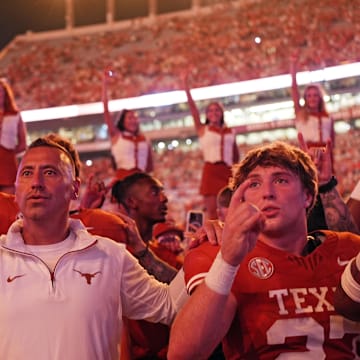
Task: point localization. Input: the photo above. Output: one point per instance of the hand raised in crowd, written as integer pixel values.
(321, 157)
(109, 73)
(186, 74)
(294, 59)
(94, 195)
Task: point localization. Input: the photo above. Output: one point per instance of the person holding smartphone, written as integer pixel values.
(194, 220)
(267, 291)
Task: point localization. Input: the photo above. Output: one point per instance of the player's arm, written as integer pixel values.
(347, 295)
(205, 318)
(201, 324)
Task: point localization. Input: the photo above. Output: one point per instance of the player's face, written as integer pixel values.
(280, 196)
(45, 184)
(151, 201)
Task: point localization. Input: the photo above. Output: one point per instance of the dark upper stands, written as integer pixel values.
(218, 40)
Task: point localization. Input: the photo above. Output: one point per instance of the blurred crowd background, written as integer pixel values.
(225, 42)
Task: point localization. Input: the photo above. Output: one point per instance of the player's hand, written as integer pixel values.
(244, 222)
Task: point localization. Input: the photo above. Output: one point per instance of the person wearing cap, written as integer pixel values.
(167, 243)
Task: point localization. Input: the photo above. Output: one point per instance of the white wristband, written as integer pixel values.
(349, 285)
(221, 275)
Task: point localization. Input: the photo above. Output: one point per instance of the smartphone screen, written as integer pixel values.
(194, 221)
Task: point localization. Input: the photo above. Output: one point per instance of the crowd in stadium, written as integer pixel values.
(149, 55)
(267, 285)
(180, 171)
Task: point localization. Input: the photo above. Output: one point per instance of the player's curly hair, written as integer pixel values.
(282, 155)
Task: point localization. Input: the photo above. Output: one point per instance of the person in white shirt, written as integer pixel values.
(66, 290)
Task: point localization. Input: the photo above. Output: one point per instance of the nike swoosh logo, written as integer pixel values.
(342, 262)
(12, 278)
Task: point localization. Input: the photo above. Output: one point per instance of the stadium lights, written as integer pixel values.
(209, 92)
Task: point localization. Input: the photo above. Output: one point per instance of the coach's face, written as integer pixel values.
(45, 184)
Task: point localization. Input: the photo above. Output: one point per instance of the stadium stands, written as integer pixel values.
(147, 55)
(227, 42)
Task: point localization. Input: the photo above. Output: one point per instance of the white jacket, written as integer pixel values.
(74, 312)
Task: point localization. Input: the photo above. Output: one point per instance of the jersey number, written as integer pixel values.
(339, 326)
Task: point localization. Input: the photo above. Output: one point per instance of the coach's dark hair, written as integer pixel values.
(55, 141)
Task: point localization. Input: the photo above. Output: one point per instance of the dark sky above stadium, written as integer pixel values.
(19, 16)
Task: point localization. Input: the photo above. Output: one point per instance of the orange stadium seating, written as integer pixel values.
(147, 55)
